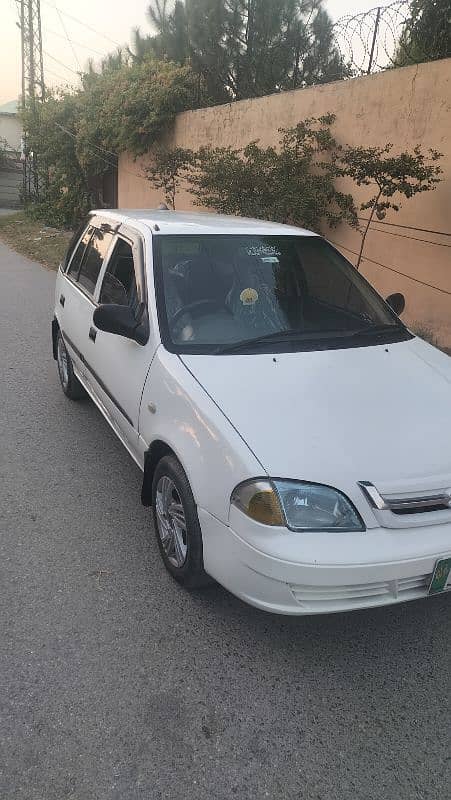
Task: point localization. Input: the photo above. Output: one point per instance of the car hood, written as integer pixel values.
(378, 413)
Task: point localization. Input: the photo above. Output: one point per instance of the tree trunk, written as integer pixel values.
(367, 229)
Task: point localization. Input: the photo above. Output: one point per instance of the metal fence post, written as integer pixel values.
(373, 43)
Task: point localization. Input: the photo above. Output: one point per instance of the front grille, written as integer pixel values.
(328, 598)
(408, 504)
(409, 510)
(414, 508)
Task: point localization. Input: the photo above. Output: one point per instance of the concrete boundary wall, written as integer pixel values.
(407, 106)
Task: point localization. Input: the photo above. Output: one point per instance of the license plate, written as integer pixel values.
(441, 577)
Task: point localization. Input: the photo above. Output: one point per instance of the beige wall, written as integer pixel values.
(405, 106)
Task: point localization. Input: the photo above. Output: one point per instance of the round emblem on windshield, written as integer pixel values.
(248, 297)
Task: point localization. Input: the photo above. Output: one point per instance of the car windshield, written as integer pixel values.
(245, 293)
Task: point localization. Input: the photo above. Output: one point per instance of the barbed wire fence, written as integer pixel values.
(383, 37)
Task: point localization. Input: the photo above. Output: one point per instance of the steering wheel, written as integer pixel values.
(196, 305)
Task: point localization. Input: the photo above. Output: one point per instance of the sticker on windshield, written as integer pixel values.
(249, 296)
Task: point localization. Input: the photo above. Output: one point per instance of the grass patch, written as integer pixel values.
(34, 239)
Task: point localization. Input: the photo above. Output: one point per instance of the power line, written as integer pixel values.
(61, 63)
(408, 227)
(80, 22)
(55, 74)
(74, 136)
(68, 39)
(105, 160)
(392, 269)
(16, 5)
(79, 44)
(406, 236)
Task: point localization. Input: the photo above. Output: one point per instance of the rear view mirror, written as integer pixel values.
(397, 302)
(117, 319)
(122, 321)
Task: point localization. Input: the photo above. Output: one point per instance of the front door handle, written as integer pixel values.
(62, 300)
(92, 333)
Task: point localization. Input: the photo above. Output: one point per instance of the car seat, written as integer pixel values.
(253, 298)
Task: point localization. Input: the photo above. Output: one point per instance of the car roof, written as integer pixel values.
(182, 222)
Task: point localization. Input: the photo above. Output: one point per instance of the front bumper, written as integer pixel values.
(289, 573)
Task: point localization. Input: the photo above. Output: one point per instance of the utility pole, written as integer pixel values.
(33, 86)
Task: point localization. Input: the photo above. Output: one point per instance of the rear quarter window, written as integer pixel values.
(74, 262)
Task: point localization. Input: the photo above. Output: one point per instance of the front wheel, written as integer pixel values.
(177, 525)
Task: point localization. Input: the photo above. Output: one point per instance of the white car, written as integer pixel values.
(294, 436)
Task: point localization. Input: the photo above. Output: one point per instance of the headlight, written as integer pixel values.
(297, 505)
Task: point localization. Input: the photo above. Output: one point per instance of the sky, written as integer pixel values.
(62, 59)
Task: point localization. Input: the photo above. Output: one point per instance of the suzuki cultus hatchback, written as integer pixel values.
(294, 436)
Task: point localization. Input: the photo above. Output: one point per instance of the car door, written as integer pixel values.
(77, 290)
(118, 365)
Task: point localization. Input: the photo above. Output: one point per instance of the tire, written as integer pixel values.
(176, 524)
(70, 384)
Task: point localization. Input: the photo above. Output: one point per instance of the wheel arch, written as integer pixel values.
(157, 450)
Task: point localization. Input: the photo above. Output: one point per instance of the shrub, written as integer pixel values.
(294, 183)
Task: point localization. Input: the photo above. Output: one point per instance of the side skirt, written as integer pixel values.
(106, 414)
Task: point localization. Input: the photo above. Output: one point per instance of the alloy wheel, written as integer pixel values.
(171, 521)
(63, 365)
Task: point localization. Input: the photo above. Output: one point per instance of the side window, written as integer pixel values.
(72, 244)
(119, 282)
(93, 259)
(74, 266)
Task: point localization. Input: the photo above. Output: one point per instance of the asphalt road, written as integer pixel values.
(116, 684)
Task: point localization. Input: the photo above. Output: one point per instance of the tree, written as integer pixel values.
(169, 170)
(129, 105)
(115, 60)
(427, 33)
(64, 188)
(246, 48)
(77, 134)
(390, 176)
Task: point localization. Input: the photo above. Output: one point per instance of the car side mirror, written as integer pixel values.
(397, 302)
(116, 319)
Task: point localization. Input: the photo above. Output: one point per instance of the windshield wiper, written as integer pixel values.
(276, 336)
(377, 330)
(295, 334)
(267, 337)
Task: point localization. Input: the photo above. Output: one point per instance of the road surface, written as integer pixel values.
(116, 684)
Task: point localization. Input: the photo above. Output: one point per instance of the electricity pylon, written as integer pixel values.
(33, 86)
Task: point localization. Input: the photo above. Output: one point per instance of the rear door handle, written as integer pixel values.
(92, 333)
(62, 300)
